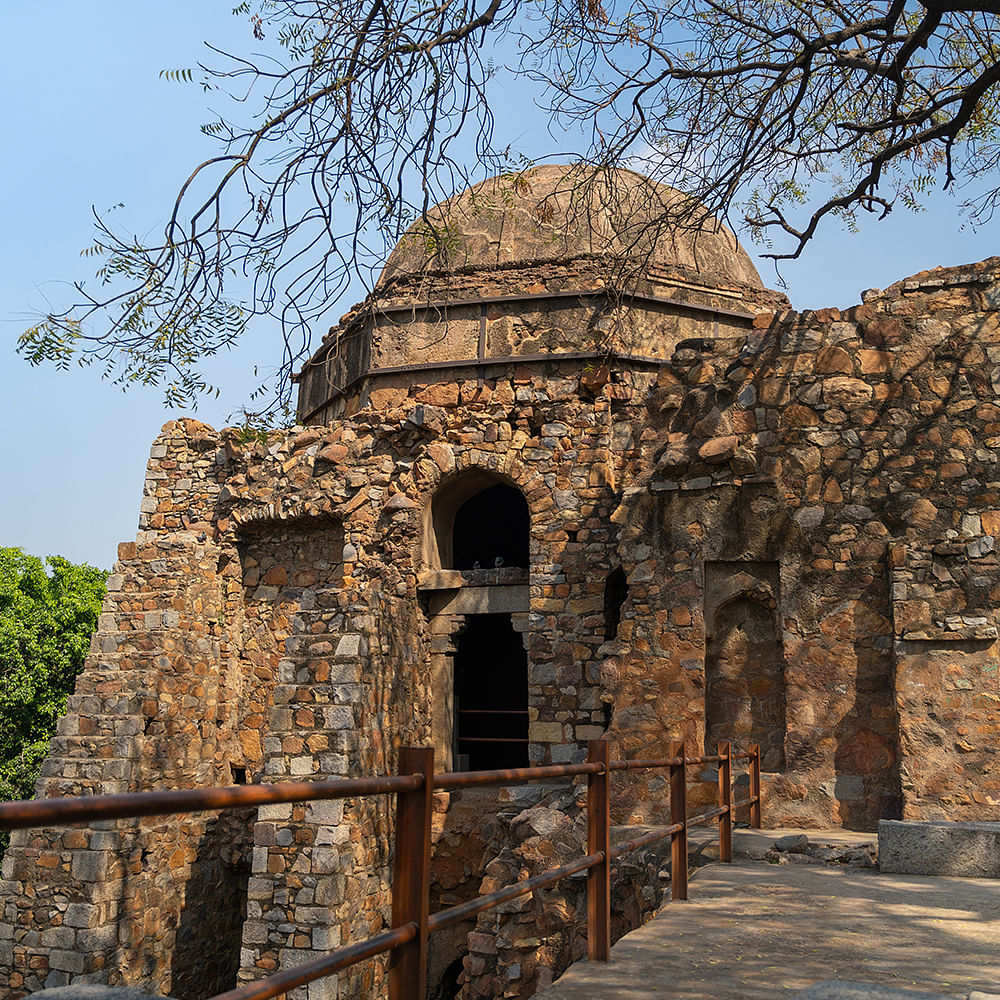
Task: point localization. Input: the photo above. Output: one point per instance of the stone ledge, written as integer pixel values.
(968, 850)
(95, 992)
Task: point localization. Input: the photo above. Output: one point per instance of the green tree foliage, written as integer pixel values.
(46, 621)
(352, 117)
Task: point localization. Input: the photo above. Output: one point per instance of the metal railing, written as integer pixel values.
(414, 786)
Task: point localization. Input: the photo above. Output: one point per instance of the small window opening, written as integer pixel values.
(239, 775)
(491, 530)
(571, 534)
(491, 695)
(615, 595)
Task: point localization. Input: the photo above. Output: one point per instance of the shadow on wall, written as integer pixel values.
(206, 955)
(867, 787)
(745, 680)
(745, 685)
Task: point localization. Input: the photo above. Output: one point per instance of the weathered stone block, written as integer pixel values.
(66, 961)
(971, 850)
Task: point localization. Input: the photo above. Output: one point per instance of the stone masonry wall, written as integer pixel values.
(855, 453)
(804, 515)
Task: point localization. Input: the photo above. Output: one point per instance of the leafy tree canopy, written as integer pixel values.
(46, 621)
(359, 114)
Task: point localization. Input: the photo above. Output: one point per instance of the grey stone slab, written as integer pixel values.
(796, 843)
(839, 990)
(92, 992)
(965, 850)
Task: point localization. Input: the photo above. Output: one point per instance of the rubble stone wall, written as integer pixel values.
(856, 451)
(804, 513)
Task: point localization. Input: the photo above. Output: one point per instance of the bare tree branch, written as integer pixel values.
(365, 113)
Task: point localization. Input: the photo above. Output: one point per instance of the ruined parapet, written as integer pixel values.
(775, 527)
(834, 475)
(145, 714)
(521, 946)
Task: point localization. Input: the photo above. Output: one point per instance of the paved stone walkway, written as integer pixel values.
(753, 930)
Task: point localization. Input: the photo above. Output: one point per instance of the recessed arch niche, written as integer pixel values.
(479, 520)
(745, 680)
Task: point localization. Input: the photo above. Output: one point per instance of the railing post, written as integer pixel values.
(599, 840)
(411, 868)
(726, 802)
(755, 786)
(678, 814)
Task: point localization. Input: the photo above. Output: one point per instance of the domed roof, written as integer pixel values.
(558, 212)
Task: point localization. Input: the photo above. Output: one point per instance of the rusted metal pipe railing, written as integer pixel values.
(414, 786)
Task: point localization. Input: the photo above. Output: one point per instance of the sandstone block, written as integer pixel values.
(545, 732)
(833, 360)
(847, 393)
(875, 362)
(718, 449)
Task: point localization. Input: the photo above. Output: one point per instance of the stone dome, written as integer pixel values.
(559, 212)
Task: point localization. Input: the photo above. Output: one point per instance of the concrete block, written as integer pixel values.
(969, 850)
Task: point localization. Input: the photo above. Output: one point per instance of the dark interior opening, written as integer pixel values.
(491, 694)
(491, 529)
(615, 594)
(450, 986)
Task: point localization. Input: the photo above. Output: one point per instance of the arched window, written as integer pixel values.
(478, 521)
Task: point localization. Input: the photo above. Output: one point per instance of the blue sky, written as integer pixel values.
(91, 124)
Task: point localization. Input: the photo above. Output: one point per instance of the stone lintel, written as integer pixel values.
(489, 600)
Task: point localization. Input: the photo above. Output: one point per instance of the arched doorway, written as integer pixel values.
(479, 525)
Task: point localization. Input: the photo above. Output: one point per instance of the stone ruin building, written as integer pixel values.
(566, 474)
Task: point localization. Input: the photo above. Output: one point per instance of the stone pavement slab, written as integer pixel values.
(754, 931)
(843, 990)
